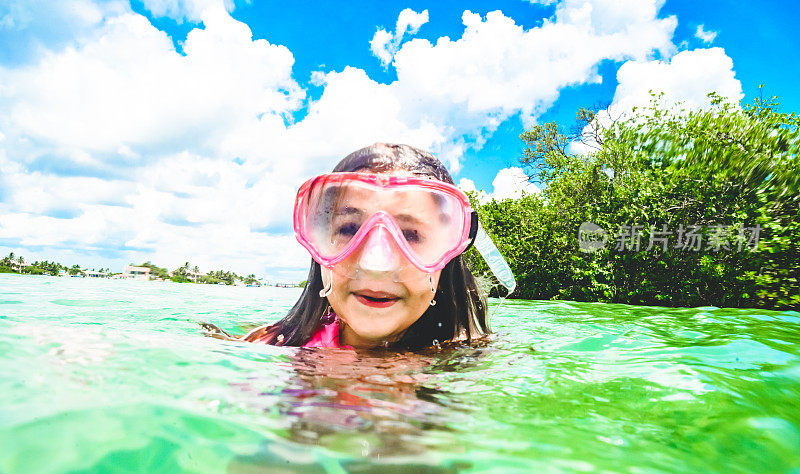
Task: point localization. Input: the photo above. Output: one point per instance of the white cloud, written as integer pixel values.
(153, 126)
(512, 183)
(498, 69)
(706, 37)
(381, 46)
(171, 156)
(410, 22)
(181, 10)
(687, 77)
(384, 44)
(30, 27)
(468, 186)
(127, 86)
(509, 183)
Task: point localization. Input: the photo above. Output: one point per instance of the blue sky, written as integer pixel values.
(177, 130)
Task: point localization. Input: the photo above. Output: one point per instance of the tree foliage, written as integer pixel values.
(664, 168)
(156, 271)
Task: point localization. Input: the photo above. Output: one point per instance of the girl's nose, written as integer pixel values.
(377, 252)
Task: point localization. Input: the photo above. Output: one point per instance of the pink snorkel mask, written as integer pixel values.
(360, 224)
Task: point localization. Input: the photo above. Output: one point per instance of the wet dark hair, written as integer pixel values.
(460, 306)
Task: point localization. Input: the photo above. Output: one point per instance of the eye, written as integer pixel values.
(348, 229)
(412, 236)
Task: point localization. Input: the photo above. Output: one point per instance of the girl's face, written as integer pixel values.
(377, 306)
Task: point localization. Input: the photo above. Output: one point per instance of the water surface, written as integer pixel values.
(106, 376)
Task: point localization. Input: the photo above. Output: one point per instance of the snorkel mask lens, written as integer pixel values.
(428, 220)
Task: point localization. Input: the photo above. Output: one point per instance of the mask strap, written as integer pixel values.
(328, 289)
(473, 229)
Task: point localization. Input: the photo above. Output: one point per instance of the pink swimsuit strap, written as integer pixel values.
(327, 335)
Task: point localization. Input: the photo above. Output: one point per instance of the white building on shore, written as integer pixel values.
(137, 273)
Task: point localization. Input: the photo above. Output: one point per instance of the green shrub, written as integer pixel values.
(726, 165)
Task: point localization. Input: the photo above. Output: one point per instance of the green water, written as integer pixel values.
(105, 376)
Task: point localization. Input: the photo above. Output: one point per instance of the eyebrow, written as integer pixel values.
(348, 211)
(407, 218)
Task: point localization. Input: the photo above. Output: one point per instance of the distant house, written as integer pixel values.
(195, 276)
(137, 273)
(93, 274)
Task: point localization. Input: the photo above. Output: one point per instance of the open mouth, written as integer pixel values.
(376, 299)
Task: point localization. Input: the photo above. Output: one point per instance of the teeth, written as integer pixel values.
(380, 300)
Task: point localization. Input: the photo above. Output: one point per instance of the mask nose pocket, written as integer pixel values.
(377, 252)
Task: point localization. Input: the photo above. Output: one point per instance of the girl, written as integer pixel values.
(386, 231)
